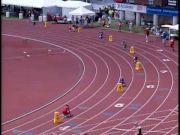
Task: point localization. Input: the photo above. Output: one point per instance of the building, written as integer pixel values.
(157, 11)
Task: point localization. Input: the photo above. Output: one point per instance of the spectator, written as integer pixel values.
(109, 21)
(130, 26)
(29, 15)
(103, 23)
(72, 19)
(119, 25)
(147, 34)
(81, 20)
(77, 20)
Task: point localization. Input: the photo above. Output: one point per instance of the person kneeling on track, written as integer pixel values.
(135, 58)
(66, 111)
(122, 82)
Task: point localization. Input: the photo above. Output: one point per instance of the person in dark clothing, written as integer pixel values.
(135, 59)
(139, 131)
(125, 45)
(101, 35)
(164, 38)
(122, 82)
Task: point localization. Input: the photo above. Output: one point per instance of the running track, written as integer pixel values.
(150, 98)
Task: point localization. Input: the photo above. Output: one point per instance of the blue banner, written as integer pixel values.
(162, 11)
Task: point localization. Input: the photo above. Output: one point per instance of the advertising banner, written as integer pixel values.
(130, 7)
(163, 11)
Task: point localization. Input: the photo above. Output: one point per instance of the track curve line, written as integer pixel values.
(35, 110)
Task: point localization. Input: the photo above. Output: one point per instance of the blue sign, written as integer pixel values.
(162, 11)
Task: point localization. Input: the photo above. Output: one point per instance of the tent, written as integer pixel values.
(82, 11)
(34, 3)
(24, 3)
(63, 7)
(74, 4)
(50, 6)
(175, 27)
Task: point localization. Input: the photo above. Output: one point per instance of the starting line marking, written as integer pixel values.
(119, 105)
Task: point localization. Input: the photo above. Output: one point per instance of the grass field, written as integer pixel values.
(135, 29)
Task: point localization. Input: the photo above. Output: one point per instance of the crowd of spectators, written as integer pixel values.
(82, 21)
(105, 15)
(15, 10)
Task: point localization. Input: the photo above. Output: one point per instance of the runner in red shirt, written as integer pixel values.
(172, 42)
(66, 111)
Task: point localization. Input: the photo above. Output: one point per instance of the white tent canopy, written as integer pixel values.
(74, 4)
(82, 11)
(24, 3)
(50, 3)
(45, 3)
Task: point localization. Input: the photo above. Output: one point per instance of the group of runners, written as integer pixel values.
(147, 33)
(66, 110)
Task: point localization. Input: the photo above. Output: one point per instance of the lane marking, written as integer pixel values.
(159, 97)
(108, 113)
(16, 131)
(64, 128)
(72, 123)
(59, 97)
(159, 50)
(77, 130)
(140, 74)
(119, 105)
(150, 86)
(135, 106)
(166, 60)
(163, 71)
(163, 89)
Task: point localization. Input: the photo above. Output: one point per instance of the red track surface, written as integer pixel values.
(82, 71)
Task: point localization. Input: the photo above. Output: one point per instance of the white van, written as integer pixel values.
(172, 30)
